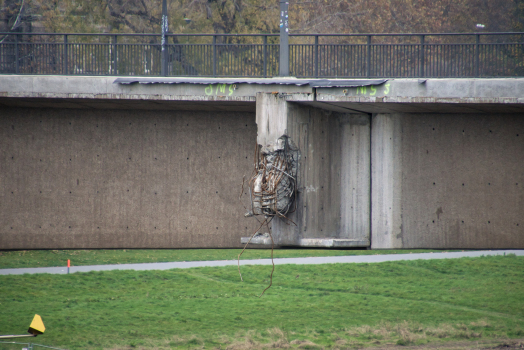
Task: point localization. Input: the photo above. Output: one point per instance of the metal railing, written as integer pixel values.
(258, 55)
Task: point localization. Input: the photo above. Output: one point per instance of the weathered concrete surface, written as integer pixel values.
(505, 95)
(122, 178)
(335, 196)
(311, 242)
(334, 173)
(332, 206)
(355, 182)
(476, 95)
(274, 120)
(319, 197)
(101, 92)
(448, 181)
(386, 179)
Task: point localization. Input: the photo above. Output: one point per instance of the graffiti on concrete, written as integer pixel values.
(220, 89)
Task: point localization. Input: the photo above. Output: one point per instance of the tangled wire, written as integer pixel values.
(272, 188)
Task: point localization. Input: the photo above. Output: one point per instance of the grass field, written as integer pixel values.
(44, 258)
(309, 307)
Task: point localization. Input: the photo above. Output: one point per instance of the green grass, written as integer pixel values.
(308, 307)
(41, 258)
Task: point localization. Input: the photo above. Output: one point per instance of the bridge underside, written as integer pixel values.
(87, 163)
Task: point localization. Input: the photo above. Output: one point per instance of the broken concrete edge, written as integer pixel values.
(287, 96)
(314, 242)
(126, 96)
(337, 82)
(273, 187)
(27, 86)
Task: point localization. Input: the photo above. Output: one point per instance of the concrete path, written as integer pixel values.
(282, 261)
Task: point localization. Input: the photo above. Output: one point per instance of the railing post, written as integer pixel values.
(316, 56)
(66, 59)
(265, 56)
(17, 67)
(115, 68)
(421, 56)
(368, 57)
(477, 55)
(284, 39)
(214, 55)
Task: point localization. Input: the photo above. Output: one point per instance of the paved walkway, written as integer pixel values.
(282, 261)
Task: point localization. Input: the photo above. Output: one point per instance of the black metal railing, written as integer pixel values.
(258, 55)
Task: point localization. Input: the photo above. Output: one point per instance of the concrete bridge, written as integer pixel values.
(109, 162)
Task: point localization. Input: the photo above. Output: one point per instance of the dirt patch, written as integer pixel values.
(502, 344)
(511, 344)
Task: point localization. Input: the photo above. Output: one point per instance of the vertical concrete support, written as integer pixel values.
(386, 183)
(355, 184)
(272, 117)
(319, 197)
(274, 120)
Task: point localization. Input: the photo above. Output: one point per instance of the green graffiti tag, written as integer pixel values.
(371, 90)
(220, 89)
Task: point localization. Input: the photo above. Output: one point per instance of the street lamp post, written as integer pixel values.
(284, 39)
(165, 29)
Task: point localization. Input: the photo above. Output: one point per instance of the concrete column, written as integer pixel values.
(386, 181)
(274, 120)
(355, 185)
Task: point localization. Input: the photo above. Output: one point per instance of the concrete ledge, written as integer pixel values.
(464, 95)
(314, 242)
(433, 88)
(51, 86)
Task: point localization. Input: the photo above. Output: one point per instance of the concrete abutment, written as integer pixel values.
(416, 165)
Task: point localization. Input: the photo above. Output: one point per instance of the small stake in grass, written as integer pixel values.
(68, 265)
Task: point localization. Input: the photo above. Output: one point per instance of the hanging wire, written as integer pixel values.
(272, 191)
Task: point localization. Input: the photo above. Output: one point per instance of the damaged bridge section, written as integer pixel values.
(329, 170)
(112, 162)
(273, 186)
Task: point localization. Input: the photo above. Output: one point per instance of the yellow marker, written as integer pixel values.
(37, 326)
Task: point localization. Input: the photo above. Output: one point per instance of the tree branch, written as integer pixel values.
(17, 21)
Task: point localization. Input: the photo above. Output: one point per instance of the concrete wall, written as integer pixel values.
(355, 182)
(334, 196)
(434, 163)
(318, 138)
(80, 178)
(447, 181)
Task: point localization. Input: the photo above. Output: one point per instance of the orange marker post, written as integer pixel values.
(68, 265)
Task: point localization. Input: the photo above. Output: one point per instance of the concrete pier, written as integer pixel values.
(94, 162)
